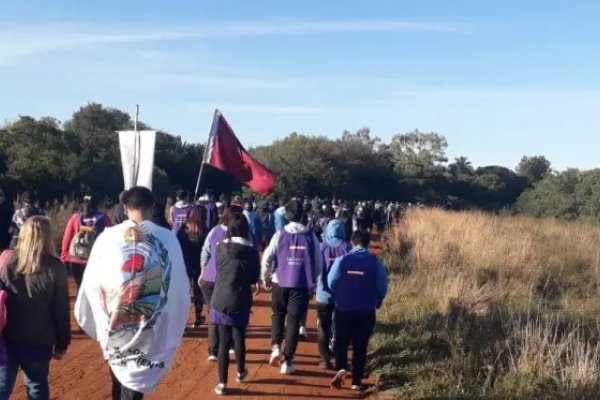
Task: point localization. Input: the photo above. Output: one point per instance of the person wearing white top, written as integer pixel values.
(134, 298)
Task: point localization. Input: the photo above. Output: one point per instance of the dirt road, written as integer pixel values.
(83, 374)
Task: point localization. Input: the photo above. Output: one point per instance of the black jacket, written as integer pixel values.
(37, 307)
(238, 268)
(191, 247)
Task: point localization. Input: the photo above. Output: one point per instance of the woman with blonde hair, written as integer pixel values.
(37, 309)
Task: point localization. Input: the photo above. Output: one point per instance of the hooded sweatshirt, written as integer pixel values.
(308, 254)
(335, 245)
(212, 214)
(180, 214)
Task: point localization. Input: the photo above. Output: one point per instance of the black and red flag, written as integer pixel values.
(225, 152)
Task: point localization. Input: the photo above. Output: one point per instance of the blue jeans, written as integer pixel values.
(35, 376)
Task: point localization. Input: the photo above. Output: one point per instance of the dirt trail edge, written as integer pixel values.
(83, 374)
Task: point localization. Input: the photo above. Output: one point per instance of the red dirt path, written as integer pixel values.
(83, 374)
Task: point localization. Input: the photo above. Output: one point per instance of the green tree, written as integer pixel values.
(40, 155)
(499, 187)
(461, 168)
(418, 154)
(362, 137)
(555, 196)
(534, 168)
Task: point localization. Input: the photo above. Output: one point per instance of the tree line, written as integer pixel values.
(81, 155)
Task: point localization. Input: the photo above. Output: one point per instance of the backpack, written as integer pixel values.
(3, 317)
(3, 293)
(83, 241)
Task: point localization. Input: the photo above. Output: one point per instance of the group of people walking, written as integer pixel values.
(135, 271)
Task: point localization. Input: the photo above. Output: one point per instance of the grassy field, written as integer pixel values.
(487, 307)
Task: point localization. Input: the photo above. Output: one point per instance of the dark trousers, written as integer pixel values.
(197, 297)
(227, 334)
(288, 307)
(325, 324)
(207, 289)
(35, 377)
(120, 392)
(77, 271)
(355, 329)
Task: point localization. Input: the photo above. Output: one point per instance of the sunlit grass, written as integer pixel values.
(482, 306)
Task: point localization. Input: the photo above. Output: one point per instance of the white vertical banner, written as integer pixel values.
(137, 157)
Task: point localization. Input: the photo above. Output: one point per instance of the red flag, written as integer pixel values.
(226, 153)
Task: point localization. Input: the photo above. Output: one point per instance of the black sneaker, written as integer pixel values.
(241, 376)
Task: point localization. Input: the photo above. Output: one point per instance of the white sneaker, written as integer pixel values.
(231, 352)
(303, 333)
(338, 380)
(275, 358)
(288, 368)
(357, 388)
(220, 389)
(212, 358)
(241, 376)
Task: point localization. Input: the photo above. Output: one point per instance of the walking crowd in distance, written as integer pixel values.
(139, 269)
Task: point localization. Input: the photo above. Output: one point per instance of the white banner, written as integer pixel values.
(137, 157)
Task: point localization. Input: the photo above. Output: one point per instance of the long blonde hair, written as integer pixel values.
(35, 241)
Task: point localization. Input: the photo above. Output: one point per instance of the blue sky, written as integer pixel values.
(499, 79)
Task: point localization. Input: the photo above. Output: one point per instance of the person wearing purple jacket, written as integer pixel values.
(290, 267)
(212, 213)
(359, 283)
(334, 245)
(181, 211)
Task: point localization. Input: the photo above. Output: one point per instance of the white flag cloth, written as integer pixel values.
(137, 157)
(134, 300)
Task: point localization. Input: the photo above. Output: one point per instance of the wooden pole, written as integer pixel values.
(136, 148)
(206, 148)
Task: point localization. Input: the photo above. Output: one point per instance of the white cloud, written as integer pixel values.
(256, 108)
(195, 79)
(24, 41)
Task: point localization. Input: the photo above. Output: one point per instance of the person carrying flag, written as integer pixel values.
(208, 202)
(290, 267)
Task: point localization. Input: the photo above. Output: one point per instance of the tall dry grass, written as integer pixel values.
(517, 257)
(513, 303)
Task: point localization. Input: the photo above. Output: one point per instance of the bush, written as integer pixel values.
(488, 307)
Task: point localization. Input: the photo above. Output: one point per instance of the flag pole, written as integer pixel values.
(206, 148)
(136, 148)
(201, 170)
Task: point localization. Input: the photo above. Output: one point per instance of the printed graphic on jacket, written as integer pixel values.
(146, 271)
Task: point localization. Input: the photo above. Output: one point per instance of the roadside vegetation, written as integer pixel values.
(488, 307)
